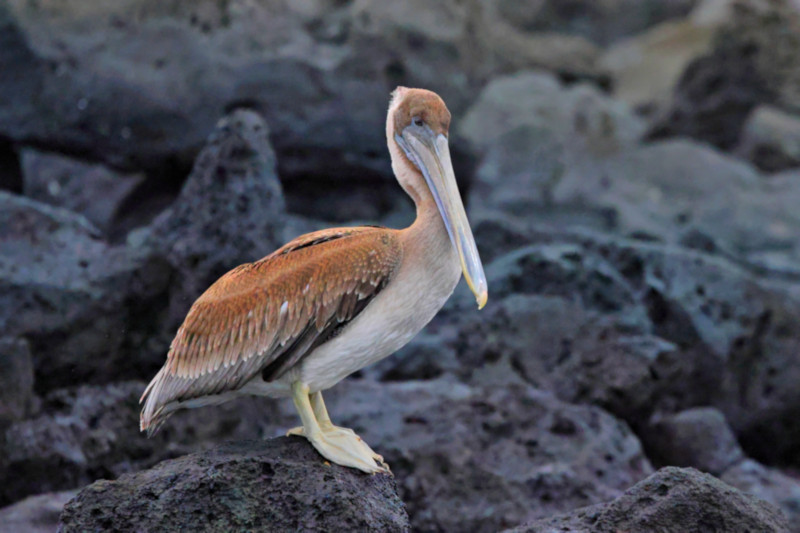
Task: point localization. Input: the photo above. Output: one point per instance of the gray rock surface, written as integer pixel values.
(771, 139)
(484, 458)
(93, 431)
(701, 438)
(675, 328)
(754, 61)
(37, 514)
(17, 399)
(77, 186)
(274, 485)
(66, 290)
(602, 21)
(230, 211)
(152, 78)
(672, 499)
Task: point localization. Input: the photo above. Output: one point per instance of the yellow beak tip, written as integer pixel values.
(482, 300)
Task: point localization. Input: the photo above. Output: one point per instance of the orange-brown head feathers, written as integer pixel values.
(426, 107)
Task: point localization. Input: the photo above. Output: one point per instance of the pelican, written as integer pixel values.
(329, 303)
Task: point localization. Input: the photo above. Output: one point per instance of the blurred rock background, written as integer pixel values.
(631, 170)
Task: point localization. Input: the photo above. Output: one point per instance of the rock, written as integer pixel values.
(68, 292)
(17, 399)
(770, 485)
(674, 329)
(771, 139)
(230, 210)
(37, 514)
(699, 437)
(483, 458)
(676, 190)
(672, 499)
(152, 80)
(602, 21)
(646, 68)
(93, 431)
(279, 484)
(753, 61)
(89, 189)
(533, 131)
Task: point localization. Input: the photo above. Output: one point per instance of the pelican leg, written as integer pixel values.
(339, 445)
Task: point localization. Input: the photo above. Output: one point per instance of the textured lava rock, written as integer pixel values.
(92, 190)
(638, 327)
(17, 399)
(771, 139)
(69, 293)
(37, 514)
(754, 61)
(92, 432)
(483, 458)
(275, 485)
(672, 499)
(230, 211)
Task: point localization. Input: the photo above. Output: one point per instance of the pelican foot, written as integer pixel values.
(343, 447)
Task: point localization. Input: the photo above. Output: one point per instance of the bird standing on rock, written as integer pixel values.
(331, 302)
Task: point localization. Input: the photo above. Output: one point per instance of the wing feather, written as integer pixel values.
(266, 316)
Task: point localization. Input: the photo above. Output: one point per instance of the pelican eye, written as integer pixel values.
(417, 120)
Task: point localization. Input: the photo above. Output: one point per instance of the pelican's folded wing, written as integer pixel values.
(266, 316)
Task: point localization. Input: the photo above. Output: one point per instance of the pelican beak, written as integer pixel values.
(431, 153)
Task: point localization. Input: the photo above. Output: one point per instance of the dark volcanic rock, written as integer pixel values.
(483, 458)
(37, 514)
(699, 437)
(275, 485)
(230, 210)
(92, 432)
(672, 499)
(69, 293)
(92, 190)
(673, 328)
(771, 139)
(138, 86)
(602, 21)
(17, 399)
(754, 61)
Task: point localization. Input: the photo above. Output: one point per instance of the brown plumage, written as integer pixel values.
(237, 328)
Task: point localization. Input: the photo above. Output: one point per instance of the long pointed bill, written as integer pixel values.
(431, 153)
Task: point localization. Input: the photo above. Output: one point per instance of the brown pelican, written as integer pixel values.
(329, 303)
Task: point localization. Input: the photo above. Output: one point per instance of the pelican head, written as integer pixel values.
(417, 130)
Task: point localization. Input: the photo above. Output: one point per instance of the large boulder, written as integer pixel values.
(37, 514)
(92, 190)
(88, 432)
(771, 139)
(153, 77)
(754, 60)
(230, 211)
(601, 21)
(69, 293)
(483, 458)
(17, 399)
(701, 438)
(636, 327)
(275, 485)
(532, 131)
(672, 499)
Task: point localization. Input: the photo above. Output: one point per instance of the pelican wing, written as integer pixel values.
(266, 316)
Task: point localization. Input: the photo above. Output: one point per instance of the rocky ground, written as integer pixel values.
(631, 169)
